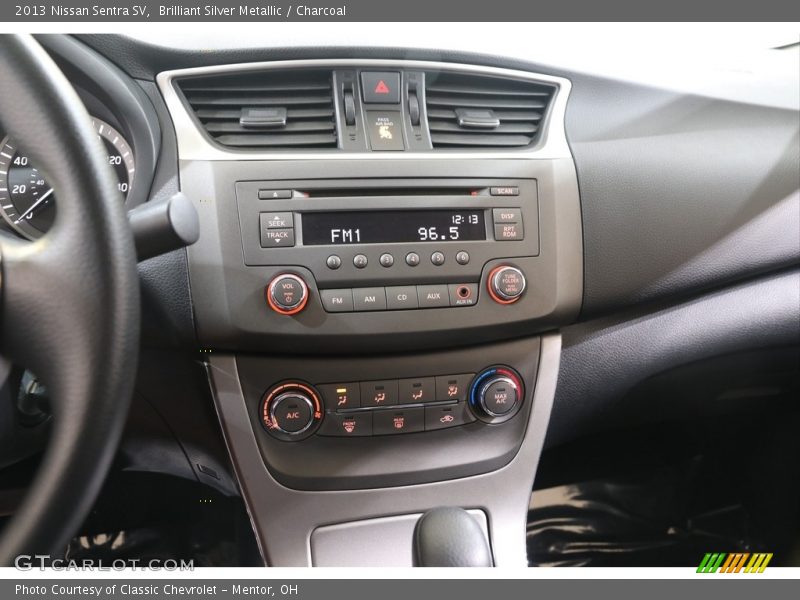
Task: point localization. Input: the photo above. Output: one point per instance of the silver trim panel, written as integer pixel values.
(194, 145)
(284, 519)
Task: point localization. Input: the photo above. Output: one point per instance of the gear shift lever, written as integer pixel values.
(450, 537)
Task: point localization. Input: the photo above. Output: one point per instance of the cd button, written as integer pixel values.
(412, 259)
(369, 298)
(401, 297)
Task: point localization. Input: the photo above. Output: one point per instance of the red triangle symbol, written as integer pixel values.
(381, 88)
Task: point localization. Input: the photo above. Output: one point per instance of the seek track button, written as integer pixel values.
(276, 220)
(277, 238)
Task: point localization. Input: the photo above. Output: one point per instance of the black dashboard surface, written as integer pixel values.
(680, 192)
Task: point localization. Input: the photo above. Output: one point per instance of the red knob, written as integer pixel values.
(287, 294)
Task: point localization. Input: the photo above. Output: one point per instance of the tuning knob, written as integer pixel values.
(291, 411)
(496, 394)
(287, 294)
(506, 284)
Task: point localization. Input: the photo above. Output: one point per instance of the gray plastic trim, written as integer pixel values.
(364, 543)
(284, 519)
(193, 144)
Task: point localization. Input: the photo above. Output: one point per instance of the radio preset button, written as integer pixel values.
(412, 259)
(333, 262)
(369, 298)
(437, 258)
(462, 258)
(360, 261)
(433, 296)
(386, 260)
(401, 297)
(337, 300)
(508, 232)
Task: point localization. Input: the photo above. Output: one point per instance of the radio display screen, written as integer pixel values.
(388, 226)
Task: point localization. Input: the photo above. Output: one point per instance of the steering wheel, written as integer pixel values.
(69, 302)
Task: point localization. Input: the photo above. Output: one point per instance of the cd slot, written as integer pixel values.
(389, 191)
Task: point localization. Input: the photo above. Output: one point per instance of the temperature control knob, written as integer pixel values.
(291, 411)
(287, 294)
(506, 284)
(496, 394)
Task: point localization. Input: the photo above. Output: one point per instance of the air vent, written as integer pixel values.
(480, 111)
(270, 110)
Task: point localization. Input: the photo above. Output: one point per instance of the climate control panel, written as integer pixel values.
(295, 410)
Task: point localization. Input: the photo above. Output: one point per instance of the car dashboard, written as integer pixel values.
(415, 272)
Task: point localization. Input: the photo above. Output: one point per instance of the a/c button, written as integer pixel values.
(401, 297)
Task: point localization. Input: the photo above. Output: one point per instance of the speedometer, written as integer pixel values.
(27, 202)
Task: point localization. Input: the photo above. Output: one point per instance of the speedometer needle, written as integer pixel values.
(34, 205)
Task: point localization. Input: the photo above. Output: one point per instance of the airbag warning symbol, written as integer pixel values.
(385, 130)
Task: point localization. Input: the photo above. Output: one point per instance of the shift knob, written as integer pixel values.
(450, 537)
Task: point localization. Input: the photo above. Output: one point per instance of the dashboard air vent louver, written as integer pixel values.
(269, 110)
(475, 111)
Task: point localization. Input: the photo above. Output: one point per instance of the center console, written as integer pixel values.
(380, 312)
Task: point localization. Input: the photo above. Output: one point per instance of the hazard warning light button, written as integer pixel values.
(380, 87)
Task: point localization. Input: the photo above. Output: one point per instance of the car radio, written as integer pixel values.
(389, 245)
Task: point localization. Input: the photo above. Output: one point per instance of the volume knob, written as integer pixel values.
(287, 294)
